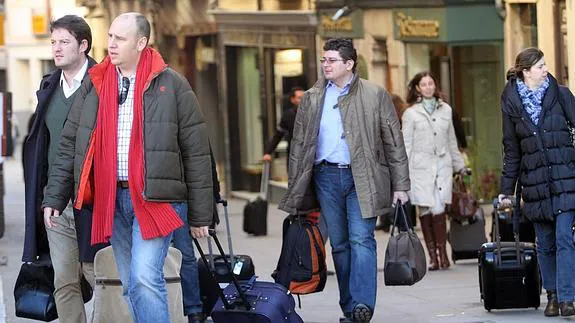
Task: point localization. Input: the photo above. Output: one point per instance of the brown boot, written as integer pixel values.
(429, 237)
(440, 232)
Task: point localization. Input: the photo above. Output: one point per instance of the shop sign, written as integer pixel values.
(270, 38)
(241, 38)
(416, 28)
(39, 24)
(350, 26)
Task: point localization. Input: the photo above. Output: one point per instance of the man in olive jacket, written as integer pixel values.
(348, 149)
(136, 146)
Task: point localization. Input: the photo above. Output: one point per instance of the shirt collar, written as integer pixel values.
(78, 77)
(132, 78)
(346, 86)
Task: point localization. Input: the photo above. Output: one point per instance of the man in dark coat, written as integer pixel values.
(65, 238)
(285, 127)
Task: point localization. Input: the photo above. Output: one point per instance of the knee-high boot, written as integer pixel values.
(440, 232)
(429, 237)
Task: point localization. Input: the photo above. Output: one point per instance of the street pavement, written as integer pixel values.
(449, 296)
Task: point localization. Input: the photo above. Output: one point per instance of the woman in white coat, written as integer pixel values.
(433, 155)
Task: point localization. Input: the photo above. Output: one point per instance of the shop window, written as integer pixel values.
(249, 104)
(528, 19)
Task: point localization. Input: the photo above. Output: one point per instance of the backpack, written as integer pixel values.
(301, 267)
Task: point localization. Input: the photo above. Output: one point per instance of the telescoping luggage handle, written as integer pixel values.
(265, 181)
(229, 231)
(241, 292)
(515, 216)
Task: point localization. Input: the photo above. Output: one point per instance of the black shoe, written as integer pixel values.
(196, 318)
(567, 308)
(329, 273)
(552, 308)
(361, 313)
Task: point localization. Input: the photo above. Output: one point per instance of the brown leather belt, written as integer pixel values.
(123, 184)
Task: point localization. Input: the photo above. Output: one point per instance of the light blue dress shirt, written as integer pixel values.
(331, 144)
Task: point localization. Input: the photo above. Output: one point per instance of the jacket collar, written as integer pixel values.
(99, 70)
(512, 104)
(418, 107)
(47, 87)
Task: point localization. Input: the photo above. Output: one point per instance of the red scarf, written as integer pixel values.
(155, 219)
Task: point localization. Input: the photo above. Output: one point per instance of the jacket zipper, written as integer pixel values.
(391, 131)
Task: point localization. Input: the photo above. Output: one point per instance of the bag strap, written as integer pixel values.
(399, 206)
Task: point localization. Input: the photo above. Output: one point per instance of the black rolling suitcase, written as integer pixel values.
(508, 271)
(256, 212)
(243, 265)
(252, 301)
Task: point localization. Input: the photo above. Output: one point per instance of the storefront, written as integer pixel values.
(261, 56)
(463, 47)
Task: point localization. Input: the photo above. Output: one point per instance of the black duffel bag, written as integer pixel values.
(405, 262)
(34, 291)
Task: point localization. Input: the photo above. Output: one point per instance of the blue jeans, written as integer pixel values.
(140, 264)
(351, 237)
(189, 272)
(556, 253)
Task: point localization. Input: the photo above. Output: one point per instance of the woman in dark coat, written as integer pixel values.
(540, 158)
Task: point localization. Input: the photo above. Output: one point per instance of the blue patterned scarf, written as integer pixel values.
(532, 99)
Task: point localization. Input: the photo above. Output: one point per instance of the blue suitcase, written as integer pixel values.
(251, 302)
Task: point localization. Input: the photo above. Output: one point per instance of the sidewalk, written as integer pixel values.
(450, 296)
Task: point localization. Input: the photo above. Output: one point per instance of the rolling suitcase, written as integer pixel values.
(466, 237)
(253, 301)
(508, 271)
(109, 303)
(242, 264)
(256, 212)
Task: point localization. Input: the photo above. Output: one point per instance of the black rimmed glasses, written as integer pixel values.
(330, 60)
(124, 90)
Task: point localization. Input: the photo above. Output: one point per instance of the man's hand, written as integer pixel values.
(267, 157)
(199, 232)
(401, 196)
(504, 201)
(48, 214)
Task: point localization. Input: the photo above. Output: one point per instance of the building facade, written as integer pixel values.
(545, 24)
(27, 48)
(264, 49)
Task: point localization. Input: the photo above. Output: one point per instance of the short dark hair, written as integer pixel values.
(345, 48)
(76, 26)
(294, 90)
(524, 61)
(143, 28)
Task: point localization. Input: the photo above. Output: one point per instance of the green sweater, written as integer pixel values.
(55, 118)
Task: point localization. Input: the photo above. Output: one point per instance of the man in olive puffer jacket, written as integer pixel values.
(135, 145)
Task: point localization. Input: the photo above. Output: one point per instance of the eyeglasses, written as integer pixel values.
(331, 60)
(124, 90)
